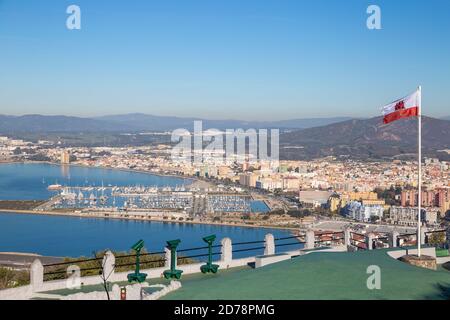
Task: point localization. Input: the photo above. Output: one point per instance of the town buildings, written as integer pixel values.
(65, 157)
(314, 198)
(438, 198)
(407, 216)
(364, 213)
(328, 183)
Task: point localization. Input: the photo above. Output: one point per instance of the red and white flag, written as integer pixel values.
(409, 106)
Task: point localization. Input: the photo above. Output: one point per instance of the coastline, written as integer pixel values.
(107, 168)
(101, 216)
(113, 216)
(191, 179)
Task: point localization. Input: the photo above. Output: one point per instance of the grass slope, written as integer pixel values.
(320, 276)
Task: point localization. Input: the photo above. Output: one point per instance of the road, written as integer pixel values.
(18, 260)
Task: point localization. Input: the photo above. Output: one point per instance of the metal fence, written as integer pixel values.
(184, 256)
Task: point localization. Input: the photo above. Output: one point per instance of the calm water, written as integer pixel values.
(29, 181)
(72, 236)
(20, 181)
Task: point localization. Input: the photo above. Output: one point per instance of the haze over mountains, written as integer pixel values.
(136, 122)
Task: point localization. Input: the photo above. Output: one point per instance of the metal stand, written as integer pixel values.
(209, 266)
(173, 272)
(137, 276)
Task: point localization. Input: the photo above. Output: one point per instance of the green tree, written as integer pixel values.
(12, 278)
(374, 219)
(436, 238)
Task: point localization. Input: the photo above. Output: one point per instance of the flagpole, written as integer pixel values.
(419, 180)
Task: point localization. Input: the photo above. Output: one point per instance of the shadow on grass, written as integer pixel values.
(443, 292)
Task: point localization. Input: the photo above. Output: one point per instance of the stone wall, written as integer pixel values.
(133, 292)
(423, 261)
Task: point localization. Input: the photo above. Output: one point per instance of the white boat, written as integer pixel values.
(54, 187)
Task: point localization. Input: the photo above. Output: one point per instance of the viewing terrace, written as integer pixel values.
(313, 265)
(321, 275)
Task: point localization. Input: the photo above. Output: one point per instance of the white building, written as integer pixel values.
(407, 216)
(269, 184)
(364, 213)
(314, 198)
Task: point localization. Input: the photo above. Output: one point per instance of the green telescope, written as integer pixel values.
(138, 245)
(137, 275)
(210, 239)
(173, 272)
(209, 266)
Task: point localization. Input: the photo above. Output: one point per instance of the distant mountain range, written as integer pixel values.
(35, 123)
(137, 122)
(159, 123)
(300, 138)
(367, 138)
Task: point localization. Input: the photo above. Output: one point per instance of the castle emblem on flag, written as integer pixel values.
(402, 108)
(400, 105)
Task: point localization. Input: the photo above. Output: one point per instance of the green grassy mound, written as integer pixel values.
(320, 276)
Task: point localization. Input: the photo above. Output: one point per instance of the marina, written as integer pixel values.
(31, 181)
(74, 187)
(97, 193)
(189, 200)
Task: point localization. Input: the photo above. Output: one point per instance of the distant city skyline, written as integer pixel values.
(244, 60)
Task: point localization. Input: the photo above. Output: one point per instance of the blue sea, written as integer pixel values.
(29, 181)
(73, 236)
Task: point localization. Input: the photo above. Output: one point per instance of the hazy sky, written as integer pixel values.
(242, 59)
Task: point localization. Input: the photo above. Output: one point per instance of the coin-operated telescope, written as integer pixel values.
(173, 272)
(137, 275)
(209, 266)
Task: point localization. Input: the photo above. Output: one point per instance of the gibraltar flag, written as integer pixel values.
(407, 107)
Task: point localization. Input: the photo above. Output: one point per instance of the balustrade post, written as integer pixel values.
(226, 251)
(310, 239)
(269, 244)
(36, 275)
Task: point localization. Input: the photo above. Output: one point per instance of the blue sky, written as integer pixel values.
(241, 59)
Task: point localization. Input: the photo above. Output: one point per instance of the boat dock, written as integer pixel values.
(191, 201)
